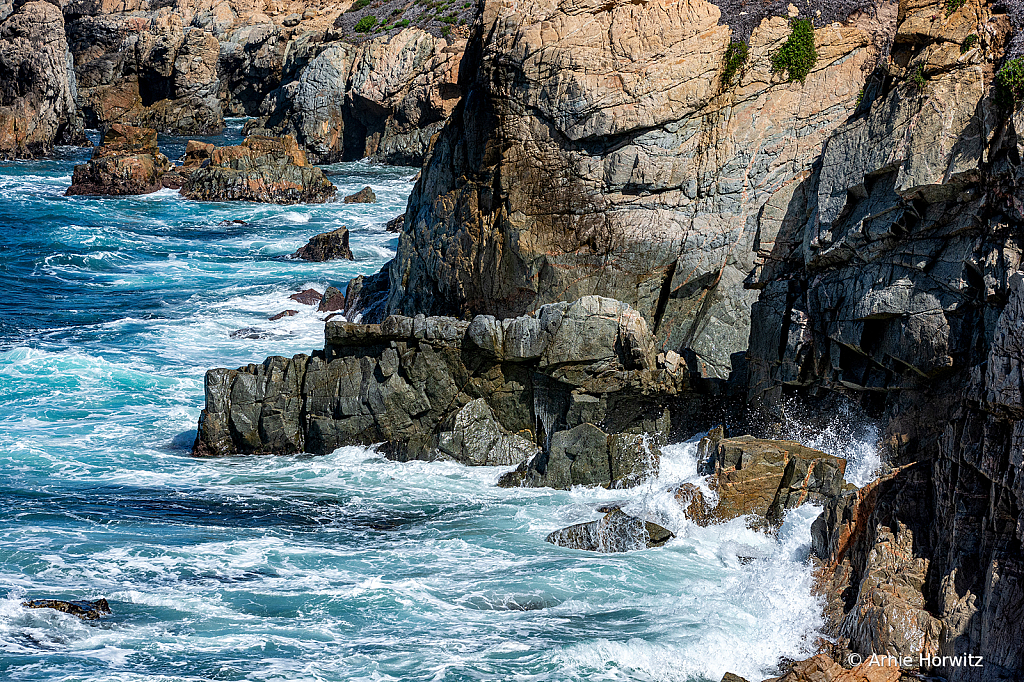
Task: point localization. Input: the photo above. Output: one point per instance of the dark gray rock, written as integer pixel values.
(327, 246)
(425, 389)
(86, 610)
(615, 532)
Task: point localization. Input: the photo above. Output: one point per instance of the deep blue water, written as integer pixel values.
(343, 567)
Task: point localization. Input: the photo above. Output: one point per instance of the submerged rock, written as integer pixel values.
(615, 532)
(86, 610)
(127, 162)
(264, 169)
(363, 196)
(282, 314)
(327, 246)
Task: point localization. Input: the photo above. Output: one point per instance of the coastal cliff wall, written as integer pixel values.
(598, 149)
(897, 281)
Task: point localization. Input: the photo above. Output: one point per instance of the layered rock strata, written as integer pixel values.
(37, 83)
(896, 279)
(486, 392)
(128, 161)
(264, 169)
(598, 150)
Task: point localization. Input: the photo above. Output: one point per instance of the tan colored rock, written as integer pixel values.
(633, 173)
(37, 108)
(128, 161)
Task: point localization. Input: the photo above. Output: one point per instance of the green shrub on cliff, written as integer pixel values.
(953, 5)
(968, 43)
(1011, 79)
(735, 58)
(797, 55)
(366, 24)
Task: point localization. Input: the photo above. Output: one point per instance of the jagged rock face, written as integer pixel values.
(37, 83)
(597, 151)
(760, 478)
(127, 162)
(86, 610)
(383, 99)
(434, 388)
(615, 532)
(265, 169)
(150, 70)
(895, 278)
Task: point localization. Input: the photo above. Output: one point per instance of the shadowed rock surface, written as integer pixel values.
(86, 610)
(327, 246)
(486, 392)
(37, 83)
(126, 162)
(265, 169)
(363, 196)
(615, 532)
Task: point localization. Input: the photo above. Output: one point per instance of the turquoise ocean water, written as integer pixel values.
(342, 567)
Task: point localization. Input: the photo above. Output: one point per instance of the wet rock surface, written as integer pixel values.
(760, 478)
(126, 162)
(328, 246)
(615, 532)
(363, 196)
(307, 297)
(264, 169)
(482, 392)
(86, 610)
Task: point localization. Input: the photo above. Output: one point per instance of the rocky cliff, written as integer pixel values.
(603, 148)
(896, 280)
(37, 83)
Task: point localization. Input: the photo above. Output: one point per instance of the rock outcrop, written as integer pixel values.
(265, 169)
(37, 83)
(327, 246)
(895, 278)
(86, 610)
(486, 392)
(363, 196)
(599, 150)
(383, 99)
(760, 478)
(127, 162)
(616, 531)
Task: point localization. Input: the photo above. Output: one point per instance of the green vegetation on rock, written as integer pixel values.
(366, 24)
(953, 5)
(919, 79)
(797, 55)
(1011, 79)
(735, 57)
(968, 43)
(358, 5)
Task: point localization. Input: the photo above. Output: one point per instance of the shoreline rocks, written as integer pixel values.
(429, 387)
(616, 531)
(264, 169)
(127, 162)
(86, 610)
(363, 196)
(327, 246)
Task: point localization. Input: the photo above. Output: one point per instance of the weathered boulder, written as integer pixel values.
(327, 246)
(197, 155)
(331, 301)
(395, 224)
(86, 610)
(427, 389)
(762, 478)
(37, 83)
(363, 196)
(307, 297)
(615, 532)
(128, 161)
(265, 169)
